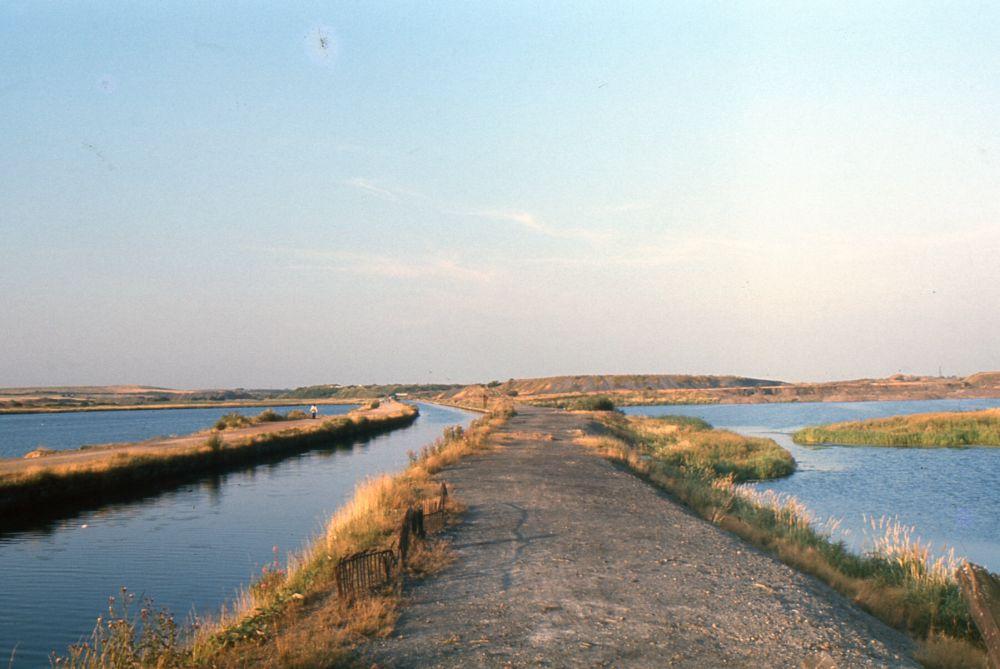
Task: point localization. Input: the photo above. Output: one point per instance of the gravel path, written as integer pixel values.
(564, 560)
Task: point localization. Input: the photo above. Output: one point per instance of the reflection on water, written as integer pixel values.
(951, 496)
(192, 548)
(22, 433)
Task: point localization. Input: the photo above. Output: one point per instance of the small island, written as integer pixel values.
(929, 430)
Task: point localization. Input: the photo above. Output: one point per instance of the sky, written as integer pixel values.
(283, 194)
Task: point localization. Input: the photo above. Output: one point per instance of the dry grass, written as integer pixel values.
(941, 652)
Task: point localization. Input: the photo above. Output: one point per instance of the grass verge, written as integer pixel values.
(897, 581)
(928, 430)
(291, 617)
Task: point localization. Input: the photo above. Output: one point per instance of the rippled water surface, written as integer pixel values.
(24, 432)
(951, 496)
(190, 549)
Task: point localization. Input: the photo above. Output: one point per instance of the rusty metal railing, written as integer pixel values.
(363, 572)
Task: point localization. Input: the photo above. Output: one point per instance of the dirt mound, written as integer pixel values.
(612, 382)
(984, 379)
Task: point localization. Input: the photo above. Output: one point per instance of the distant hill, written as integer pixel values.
(609, 382)
(335, 391)
(625, 389)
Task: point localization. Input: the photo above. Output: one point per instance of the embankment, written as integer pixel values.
(54, 484)
(568, 560)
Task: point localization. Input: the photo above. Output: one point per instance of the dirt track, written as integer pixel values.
(566, 560)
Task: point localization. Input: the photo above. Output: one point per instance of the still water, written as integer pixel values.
(190, 549)
(24, 432)
(951, 496)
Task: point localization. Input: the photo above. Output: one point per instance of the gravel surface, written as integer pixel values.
(565, 560)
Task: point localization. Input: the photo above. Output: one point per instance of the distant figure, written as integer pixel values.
(313, 410)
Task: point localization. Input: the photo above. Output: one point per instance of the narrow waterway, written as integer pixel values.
(24, 432)
(190, 549)
(950, 496)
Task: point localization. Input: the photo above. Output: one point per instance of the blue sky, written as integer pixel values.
(319, 192)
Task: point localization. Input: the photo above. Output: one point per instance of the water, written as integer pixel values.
(190, 549)
(22, 433)
(951, 496)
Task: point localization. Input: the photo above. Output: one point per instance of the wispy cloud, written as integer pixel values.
(372, 188)
(373, 264)
(622, 207)
(521, 218)
(531, 222)
(655, 252)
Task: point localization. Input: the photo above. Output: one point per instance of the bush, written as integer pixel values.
(374, 404)
(593, 403)
(231, 420)
(215, 443)
(268, 416)
(691, 422)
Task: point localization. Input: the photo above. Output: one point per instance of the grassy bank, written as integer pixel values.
(929, 430)
(291, 616)
(691, 444)
(897, 582)
(45, 487)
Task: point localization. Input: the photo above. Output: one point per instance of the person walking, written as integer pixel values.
(313, 410)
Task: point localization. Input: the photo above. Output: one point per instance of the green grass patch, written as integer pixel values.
(592, 403)
(690, 422)
(931, 430)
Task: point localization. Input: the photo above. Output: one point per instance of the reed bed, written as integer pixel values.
(897, 580)
(931, 430)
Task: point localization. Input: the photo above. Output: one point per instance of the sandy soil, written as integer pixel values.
(565, 560)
